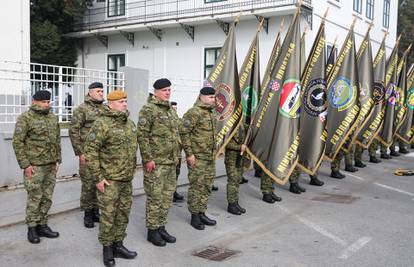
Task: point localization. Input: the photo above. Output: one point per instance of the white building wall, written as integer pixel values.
(179, 58)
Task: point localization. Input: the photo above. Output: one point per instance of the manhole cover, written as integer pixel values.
(335, 198)
(215, 253)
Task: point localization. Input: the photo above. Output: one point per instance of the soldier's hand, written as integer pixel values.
(28, 172)
(149, 166)
(243, 149)
(191, 160)
(82, 160)
(57, 166)
(101, 185)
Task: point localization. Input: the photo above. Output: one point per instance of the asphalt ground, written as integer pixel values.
(365, 219)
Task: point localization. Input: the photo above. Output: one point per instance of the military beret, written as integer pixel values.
(161, 83)
(95, 85)
(173, 103)
(207, 91)
(116, 95)
(42, 95)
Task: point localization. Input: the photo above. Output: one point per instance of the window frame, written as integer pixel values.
(213, 1)
(357, 6)
(117, 2)
(370, 6)
(386, 14)
(216, 50)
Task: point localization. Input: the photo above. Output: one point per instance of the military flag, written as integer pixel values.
(273, 134)
(313, 109)
(406, 131)
(224, 78)
(330, 62)
(366, 84)
(343, 97)
(400, 107)
(374, 122)
(385, 136)
(270, 68)
(250, 79)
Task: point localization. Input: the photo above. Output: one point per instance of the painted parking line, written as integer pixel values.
(354, 247)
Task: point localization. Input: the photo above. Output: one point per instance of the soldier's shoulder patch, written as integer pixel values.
(187, 123)
(18, 130)
(142, 121)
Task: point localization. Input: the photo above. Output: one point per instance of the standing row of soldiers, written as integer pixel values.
(106, 142)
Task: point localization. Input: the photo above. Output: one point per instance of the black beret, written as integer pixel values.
(173, 103)
(42, 95)
(207, 91)
(95, 85)
(162, 83)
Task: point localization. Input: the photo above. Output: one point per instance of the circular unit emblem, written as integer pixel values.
(225, 102)
(314, 99)
(289, 103)
(341, 94)
(410, 98)
(378, 93)
(249, 101)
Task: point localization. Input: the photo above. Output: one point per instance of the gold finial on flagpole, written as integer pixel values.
(325, 15)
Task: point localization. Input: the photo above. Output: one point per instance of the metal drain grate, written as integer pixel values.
(334, 198)
(215, 253)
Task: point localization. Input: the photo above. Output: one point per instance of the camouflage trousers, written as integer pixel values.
(294, 176)
(234, 170)
(178, 169)
(336, 163)
(115, 205)
(372, 149)
(88, 198)
(358, 152)
(39, 194)
(201, 178)
(266, 184)
(159, 185)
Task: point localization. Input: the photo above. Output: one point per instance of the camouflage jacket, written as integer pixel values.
(111, 147)
(36, 139)
(83, 117)
(237, 140)
(158, 133)
(198, 130)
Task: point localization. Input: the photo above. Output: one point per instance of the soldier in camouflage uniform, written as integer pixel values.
(82, 120)
(372, 150)
(110, 151)
(177, 197)
(159, 143)
(336, 163)
(36, 143)
(198, 131)
(233, 161)
(358, 156)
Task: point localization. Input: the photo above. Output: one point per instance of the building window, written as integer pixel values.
(213, 1)
(116, 8)
(370, 9)
(210, 56)
(358, 6)
(115, 62)
(386, 14)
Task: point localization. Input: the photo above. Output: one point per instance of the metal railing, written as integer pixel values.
(68, 85)
(150, 11)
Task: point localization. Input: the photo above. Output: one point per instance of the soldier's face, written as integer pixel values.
(119, 105)
(43, 104)
(209, 100)
(163, 94)
(96, 94)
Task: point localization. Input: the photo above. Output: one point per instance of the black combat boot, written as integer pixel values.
(166, 236)
(385, 156)
(394, 153)
(294, 188)
(315, 181)
(95, 215)
(276, 197)
(374, 159)
(206, 220)
(303, 190)
(214, 188)
(360, 164)
(32, 235)
(108, 256)
(337, 175)
(122, 252)
(88, 219)
(196, 221)
(242, 210)
(350, 168)
(258, 173)
(403, 150)
(45, 231)
(233, 209)
(267, 197)
(243, 181)
(155, 238)
(177, 197)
